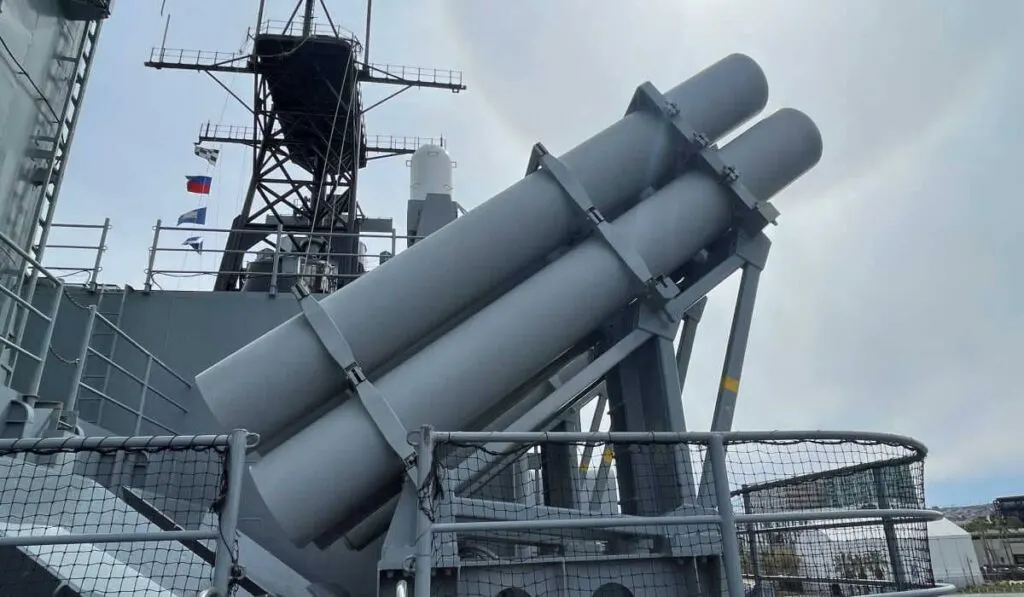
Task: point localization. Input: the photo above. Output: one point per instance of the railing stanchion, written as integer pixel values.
(142, 395)
(71, 401)
(148, 286)
(224, 563)
(424, 534)
(727, 517)
(44, 345)
(277, 259)
(95, 273)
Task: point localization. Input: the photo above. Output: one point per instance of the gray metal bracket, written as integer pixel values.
(661, 288)
(376, 405)
(755, 215)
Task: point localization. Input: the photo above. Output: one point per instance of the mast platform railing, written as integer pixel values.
(390, 243)
(400, 143)
(414, 75)
(388, 144)
(182, 58)
(296, 28)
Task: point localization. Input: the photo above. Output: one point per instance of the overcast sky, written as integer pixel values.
(891, 301)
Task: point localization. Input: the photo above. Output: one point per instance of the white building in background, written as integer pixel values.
(952, 556)
(952, 553)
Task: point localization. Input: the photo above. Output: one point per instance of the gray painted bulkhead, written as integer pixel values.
(38, 59)
(188, 331)
(39, 41)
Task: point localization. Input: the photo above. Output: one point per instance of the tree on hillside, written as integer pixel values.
(984, 524)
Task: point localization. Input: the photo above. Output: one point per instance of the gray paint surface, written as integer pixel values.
(187, 330)
(34, 85)
(418, 290)
(34, 35)
(454, 379)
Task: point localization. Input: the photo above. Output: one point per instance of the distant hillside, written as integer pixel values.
(965, 513)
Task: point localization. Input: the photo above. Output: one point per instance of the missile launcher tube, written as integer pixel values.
(332, 467)
(419, 290)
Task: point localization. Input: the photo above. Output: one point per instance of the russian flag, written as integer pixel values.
(198, 184)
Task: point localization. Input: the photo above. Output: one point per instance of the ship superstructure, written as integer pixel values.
(329, 420)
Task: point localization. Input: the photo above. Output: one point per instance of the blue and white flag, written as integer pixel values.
(196, 242)
(195, 216)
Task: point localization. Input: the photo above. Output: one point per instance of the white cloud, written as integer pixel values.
(876, 308)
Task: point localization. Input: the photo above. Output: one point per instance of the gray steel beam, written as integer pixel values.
(419, 290)
(463, 373)
(755, 252)
(612, 522)
(691, 319)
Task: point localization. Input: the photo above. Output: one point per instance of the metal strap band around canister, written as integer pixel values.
(757, 214)
(376, 405)
(660, 286)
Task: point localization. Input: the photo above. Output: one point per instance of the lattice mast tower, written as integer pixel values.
(308, 133)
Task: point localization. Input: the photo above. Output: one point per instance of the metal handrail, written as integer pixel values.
(152, 270)
(722, 515)
(421, 74)
(139, 415)
(145, 386)
(22, 309)
(195, 57)
(224, 558)
(97, 251)
(143, 350)
(296, 28)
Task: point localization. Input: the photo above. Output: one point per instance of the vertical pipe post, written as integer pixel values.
(424, 533)
(142, 395)
(691, 319)
(889, 530)
(225, 559)
(44, 345)
(366, 38)
(94, 275)
(277, 260)
(730, 544)
(163, 40)
(148, 286)
(71, 401)
(755, 555)
(307, 21)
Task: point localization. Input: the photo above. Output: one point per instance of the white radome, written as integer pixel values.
(431, 172)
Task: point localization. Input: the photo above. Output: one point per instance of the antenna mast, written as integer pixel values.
(308, 135)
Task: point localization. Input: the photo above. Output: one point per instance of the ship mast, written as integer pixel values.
(308, 134)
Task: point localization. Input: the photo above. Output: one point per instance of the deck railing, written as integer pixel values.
(144, 382)
(21, 311)
(806, 484)
(88, 251)
(79, 508)
(392, 241)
